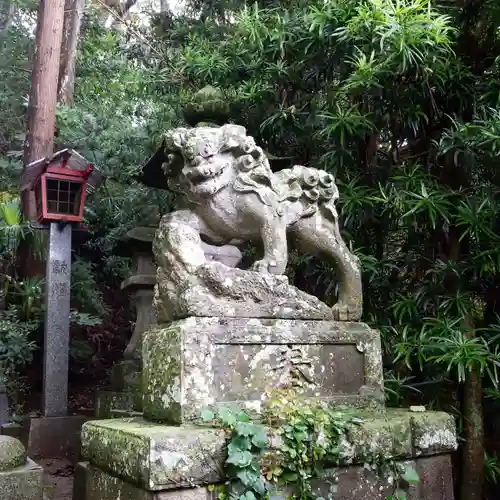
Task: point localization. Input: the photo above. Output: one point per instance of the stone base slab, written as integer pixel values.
(55, 437)
(354, 483)
(153, 456)
(22, 483)
(157, 457)
(92, 483)
(199, 363)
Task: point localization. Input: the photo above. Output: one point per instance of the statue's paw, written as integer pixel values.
(269, 266)
(262, 266)
(346, 312)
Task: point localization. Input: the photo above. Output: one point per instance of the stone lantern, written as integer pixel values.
(140, 285)
(126, 375)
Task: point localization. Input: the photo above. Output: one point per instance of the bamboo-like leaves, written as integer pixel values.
(432, 202)
(14, 229)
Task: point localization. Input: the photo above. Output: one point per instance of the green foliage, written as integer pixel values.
(28, 296)
(15, 68)
(294, 447)
(116, 122)
(14, 230)
(247, 441)
(16, 347)
(85, 290)
(397, 387)
(491, 468)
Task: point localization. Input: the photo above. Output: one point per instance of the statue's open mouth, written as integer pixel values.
(206, 175)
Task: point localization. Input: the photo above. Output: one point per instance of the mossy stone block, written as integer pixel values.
(213, 362)
(433, 432)
(154, 456)
(353, 483)
(92, 483)
(399, 433)
(12, 453)
(162, 369)
(22, 483)
(389, 436)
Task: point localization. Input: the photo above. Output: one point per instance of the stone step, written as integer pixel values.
(158, 457)
(353, 483)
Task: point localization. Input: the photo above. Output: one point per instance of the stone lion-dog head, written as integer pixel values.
(205, 160)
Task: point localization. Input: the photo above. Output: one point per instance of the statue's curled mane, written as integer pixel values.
(253, 172)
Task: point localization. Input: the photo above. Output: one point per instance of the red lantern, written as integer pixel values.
(60, 185)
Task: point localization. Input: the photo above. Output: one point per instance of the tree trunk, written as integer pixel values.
(472, 477)
(40, 131)
(71, 33)
(43, 97)
(472, 450)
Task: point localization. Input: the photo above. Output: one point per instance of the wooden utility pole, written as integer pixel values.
(71, 33)
(44, 81)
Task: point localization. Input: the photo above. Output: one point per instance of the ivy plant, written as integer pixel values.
(290, 449)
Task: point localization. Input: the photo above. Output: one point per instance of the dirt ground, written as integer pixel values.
(58, 479)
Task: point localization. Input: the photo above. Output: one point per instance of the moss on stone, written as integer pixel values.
(354, 482)
(22, 483)
(433, 432)
(207, 362)
(123, 452)
(154, 456)
(208, 105)
(12, 453)
(389, 437)
(399, 434)
(162, 374)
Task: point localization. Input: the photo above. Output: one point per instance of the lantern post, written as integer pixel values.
(60, 184)
(57, 314)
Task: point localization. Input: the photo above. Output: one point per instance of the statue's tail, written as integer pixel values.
(312, 187)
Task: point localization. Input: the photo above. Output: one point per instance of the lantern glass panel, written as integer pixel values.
(63, 197)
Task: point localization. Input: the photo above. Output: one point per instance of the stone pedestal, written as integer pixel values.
(20, 477)
(140, 460)
(55, 437)
(198, 363)
(93, 483)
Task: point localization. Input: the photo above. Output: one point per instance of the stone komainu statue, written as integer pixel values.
(230, 196)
